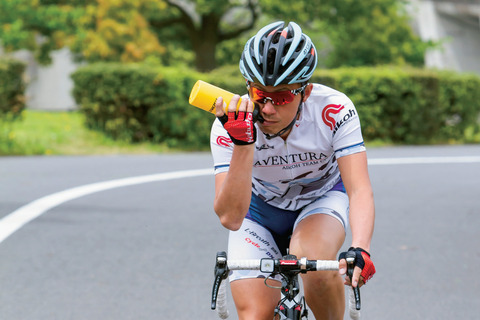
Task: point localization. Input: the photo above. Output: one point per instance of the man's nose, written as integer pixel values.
(268, 107)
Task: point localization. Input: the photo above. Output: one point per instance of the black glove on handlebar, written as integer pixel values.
(363, 261)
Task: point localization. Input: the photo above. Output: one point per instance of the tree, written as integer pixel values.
(356, 33)
(117, 31)
(347, 32)
(371, 32)
(96, 30)
(205, 33)
(37, 25)
(206, 24)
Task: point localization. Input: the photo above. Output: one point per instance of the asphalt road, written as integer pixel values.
(146, 250)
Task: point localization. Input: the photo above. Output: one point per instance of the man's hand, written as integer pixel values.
(364, 268)
(240, 127)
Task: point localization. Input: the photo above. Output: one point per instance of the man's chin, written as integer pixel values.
(268, 130)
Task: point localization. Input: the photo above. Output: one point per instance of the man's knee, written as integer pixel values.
(255, 313)
(322, 281)
(253, 299)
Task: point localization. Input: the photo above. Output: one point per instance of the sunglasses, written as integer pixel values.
(278, 98)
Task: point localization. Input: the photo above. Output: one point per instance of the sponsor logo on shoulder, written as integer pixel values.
(224, 141)
(334, 109)
(326, 114)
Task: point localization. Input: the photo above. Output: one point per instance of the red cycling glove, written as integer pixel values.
(241, 129)
(363, 261)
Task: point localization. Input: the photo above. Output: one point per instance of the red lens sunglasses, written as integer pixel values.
(278, 98)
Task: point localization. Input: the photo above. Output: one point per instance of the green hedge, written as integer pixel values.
(143, 102)
(137, 102)
(411, 106)
(12, 89)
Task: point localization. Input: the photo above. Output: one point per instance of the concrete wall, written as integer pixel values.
(49, 87)
(456, 24)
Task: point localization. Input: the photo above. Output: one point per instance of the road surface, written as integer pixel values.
(98, 245)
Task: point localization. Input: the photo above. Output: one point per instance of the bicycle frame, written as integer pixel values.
(292, 304)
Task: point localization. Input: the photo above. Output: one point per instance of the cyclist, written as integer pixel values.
(296, 178)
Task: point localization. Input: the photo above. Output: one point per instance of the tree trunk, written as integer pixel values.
(205, 59)
(205, 42)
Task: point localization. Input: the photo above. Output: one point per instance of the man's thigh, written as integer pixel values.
(318, 237)
(251, 241)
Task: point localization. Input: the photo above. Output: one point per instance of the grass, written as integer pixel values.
(63, 133)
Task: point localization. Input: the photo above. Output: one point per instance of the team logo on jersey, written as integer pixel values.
(326, 114)
(224, 141)
(305, 158)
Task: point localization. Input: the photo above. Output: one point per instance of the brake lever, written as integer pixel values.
(350, 257)
(221, 273)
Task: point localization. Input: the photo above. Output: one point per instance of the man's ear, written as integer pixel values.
(308, 91)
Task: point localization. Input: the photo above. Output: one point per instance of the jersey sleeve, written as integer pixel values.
(344, 122)
(221, 147)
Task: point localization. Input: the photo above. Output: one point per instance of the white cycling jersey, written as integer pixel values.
(290, 174)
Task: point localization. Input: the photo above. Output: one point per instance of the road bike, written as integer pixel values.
(292, 305)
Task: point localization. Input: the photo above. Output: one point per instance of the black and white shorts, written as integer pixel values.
(266, 230)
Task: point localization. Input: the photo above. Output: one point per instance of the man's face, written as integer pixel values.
(277, 116)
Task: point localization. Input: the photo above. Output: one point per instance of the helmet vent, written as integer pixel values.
(271, 60)
(290, 33)
(300, 45)
(276, 37)
(285, 50)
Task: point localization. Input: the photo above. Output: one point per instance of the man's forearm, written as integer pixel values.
(233, 196)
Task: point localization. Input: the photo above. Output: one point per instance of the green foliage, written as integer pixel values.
(135, 102)
(459, 99)
(12, 87)
(117, 31)
(37, 26)
(373, 32)
(228, 78)
(12, 98)
(206, 34)
(410, 106)
(95, 30)
(139, 102)
(358, 33)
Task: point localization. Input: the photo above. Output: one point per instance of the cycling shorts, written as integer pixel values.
(266, 230)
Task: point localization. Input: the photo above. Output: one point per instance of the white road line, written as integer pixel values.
(18, 218)
(423, 160)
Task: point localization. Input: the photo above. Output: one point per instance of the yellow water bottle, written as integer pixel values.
(204, 95)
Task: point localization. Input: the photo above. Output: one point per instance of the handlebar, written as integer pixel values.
(287, 264)
(290, 264)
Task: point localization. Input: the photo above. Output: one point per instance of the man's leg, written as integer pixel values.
(253, 299)
(320, 237)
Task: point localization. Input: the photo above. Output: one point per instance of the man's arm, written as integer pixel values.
(354, 172)
(233, 188)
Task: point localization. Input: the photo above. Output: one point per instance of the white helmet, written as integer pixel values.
(277, 55)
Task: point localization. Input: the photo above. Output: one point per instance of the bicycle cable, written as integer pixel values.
(269, 277)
